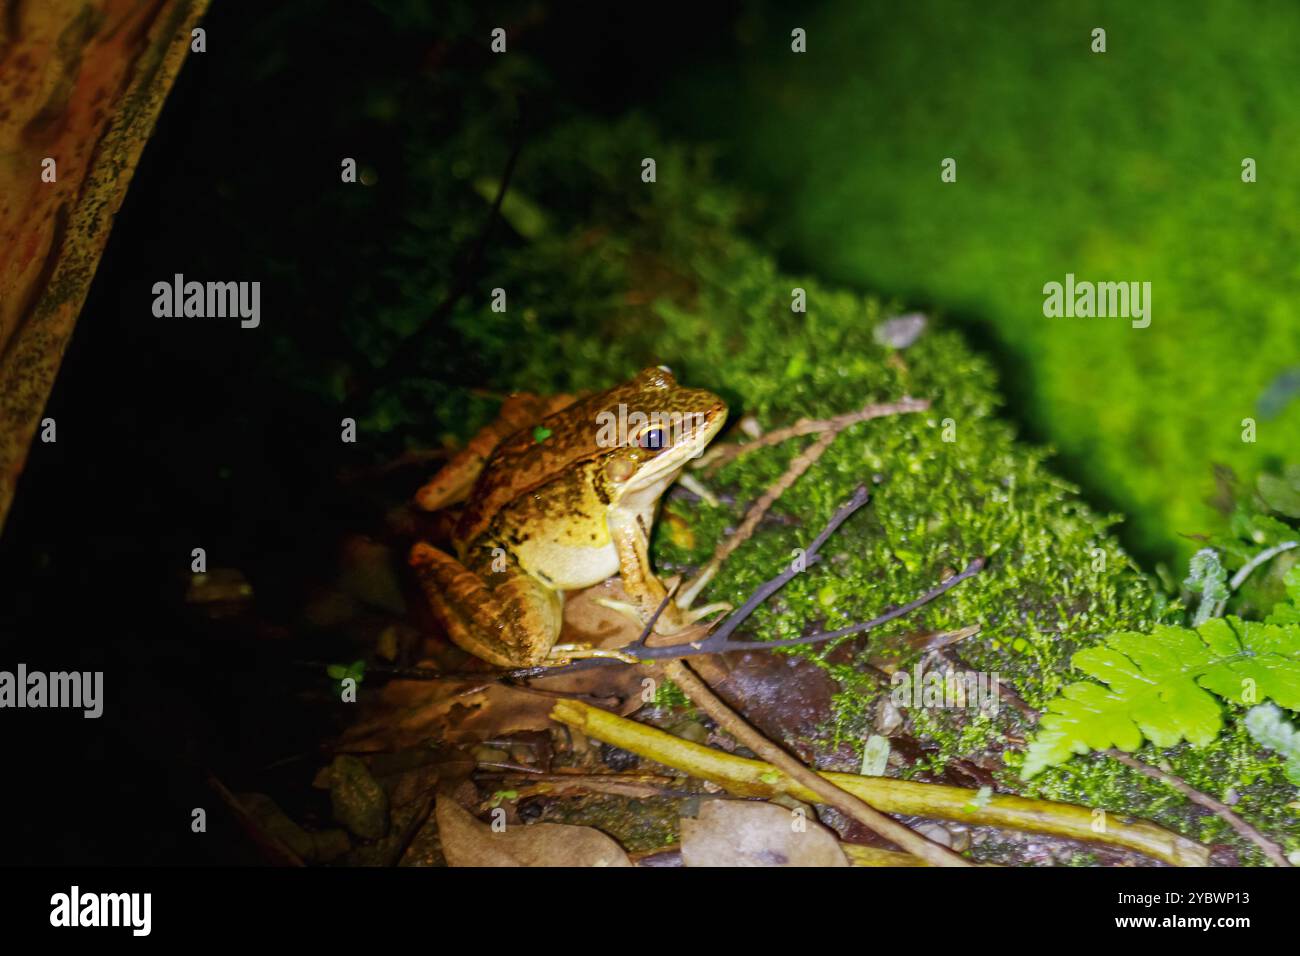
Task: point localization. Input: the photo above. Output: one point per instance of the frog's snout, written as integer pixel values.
(715, 418)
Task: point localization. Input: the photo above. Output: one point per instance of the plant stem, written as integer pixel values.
(755, 778)
(1238, 579)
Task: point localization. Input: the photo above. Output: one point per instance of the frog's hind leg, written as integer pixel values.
(504, 616)
(454, 481)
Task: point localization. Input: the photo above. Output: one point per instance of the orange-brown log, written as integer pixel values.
(81, 83)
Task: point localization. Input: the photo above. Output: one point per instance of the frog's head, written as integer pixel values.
(652, 428)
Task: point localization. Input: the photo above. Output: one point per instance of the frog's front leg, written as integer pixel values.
(640, 584)
(502, 615)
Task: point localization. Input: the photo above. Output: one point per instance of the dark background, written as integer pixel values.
(182, 433)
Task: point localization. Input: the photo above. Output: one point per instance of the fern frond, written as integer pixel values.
(1165, 687)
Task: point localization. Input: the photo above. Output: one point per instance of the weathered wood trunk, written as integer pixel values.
(81, 85)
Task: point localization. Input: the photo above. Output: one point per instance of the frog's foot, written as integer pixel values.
(675, 618)
(562, 654)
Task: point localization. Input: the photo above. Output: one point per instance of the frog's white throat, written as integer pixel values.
(645, 490)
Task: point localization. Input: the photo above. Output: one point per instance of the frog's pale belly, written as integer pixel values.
(568, 567)
(577, 549)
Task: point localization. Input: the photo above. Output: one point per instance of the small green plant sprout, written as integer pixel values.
(1284, 613)
(1166, 687)
(341, 672)
(1207, 581)
(1269, 728)
(980, 800)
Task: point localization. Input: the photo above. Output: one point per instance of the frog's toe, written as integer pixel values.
(674, 617)
(669, 621)
(692, 589)
(562, 654)
(623, 607)
(691, 615)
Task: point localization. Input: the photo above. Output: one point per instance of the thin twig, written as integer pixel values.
(973, 568)
(759, 509)
(830, 429)
(1269, 848)
(827, 792)
(631, 785)
(713, 644)
(811, 556)
(808, 426)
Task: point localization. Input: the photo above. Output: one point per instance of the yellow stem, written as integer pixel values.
(754, 778)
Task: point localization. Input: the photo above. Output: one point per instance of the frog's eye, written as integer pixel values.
(655, 439)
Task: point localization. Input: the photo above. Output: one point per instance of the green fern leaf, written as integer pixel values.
(1166, 687)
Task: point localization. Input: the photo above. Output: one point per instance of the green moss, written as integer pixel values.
(669, 697)
(639, 826)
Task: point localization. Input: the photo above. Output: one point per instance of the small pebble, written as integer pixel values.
(616, 758)
(888, 718)
(932, 831)
(961, 839)
(900, 331)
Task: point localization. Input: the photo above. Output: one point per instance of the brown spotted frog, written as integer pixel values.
(561, 504)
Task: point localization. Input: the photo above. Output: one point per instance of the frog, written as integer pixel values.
(565, 501)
